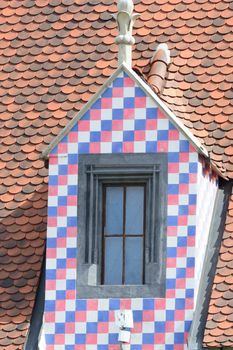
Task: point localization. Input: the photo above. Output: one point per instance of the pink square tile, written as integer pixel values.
(70, 328)
(50, 284)
(53, 190)
(72, 137)
(94, 147)
(84, 125)
(148, 315)
(159, 338)
(51, 253)
(161, 115)
(160, 304)
(117, 125)
(183, 188)
(117, 92)
(62, 148)
(103, 327)
(92, 304)
(184, 157)
(80, 316)
(151, 124)
(180, 283)
(61, 242)
(72, 200)
(173, 168)
(106, 136)
(192, 178)
(191, 241)
(181, 251)
(137, 327)
(49, 316)
(106, 103)
(73, 169)
(128, 147)
(182, 220)
(179, 315)
(71, 231)
(62, 211)
(129, 113)
(162, 146)
(70, 294)
(52, 222)
(128, 82)
(71, 263)
(189, 272)
(53, 160)
(91, 338)
(173, 135)
(95, 114)
(62, 180)
(59, 339)
(60, 305)
(171, 262)
(170, 293)
(172, 231)
(139, 135)
(192, 209)
(125, 304)
(61, 274)
(140, 102)
(169, 326)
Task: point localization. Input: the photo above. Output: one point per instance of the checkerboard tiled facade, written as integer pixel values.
(123, 120)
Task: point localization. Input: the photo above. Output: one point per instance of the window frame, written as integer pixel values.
(94, 172)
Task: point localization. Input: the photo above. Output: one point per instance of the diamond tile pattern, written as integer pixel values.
(53, 56)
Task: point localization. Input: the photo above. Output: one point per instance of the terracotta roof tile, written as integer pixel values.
(219, 329)
(54, 56)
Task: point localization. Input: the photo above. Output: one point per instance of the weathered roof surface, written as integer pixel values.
(219, 326)
(54, 55)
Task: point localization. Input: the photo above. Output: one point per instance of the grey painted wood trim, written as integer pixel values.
(37, 315)
(211, 256)
(88, 282)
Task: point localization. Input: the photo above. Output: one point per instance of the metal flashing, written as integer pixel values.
(209, 266)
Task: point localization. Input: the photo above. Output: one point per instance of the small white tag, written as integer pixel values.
(124, 336)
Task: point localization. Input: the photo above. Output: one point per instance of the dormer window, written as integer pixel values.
(122, 225)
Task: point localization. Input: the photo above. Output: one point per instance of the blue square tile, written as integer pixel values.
(71, 222)
(114, 304)
(117, 147)
(91, 327)
(148, 338)
(179, 338)
(180, 304)
(151, 147)
(50, 305)
(191, 230)
(162, 135)
(129, 102)
(180, 272)
(70, 316)
(170, 283)
(106, 125)
(184, 146)
(128, 135)
(118, 82)
(182, 241)
(113, 338)
(81, 305)
(148, 304)
(62, 201)
(160, 327)
(95, 136)
(73, 158)
(59, 328)
(140, 124)
(170, 315)
(137, 315)
(139, 92)
(50, 274)
(184, 178)
(151, 113)
(53, 180)
(83, 147)
(103, 316)
(172, 220)
(80, 339)
(183, 209)
(107, 93)
(117, 113)
(61, 263)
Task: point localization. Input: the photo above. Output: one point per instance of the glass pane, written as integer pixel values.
(134, 210)
(133, 260)
(113, 260)
(114, 211)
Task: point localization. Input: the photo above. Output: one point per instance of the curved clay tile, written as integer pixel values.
(159, 64)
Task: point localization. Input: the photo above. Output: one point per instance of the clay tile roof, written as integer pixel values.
(219, 326)
(54, 55)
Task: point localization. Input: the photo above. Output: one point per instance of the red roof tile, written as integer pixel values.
(219, 329)
(54, 55)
